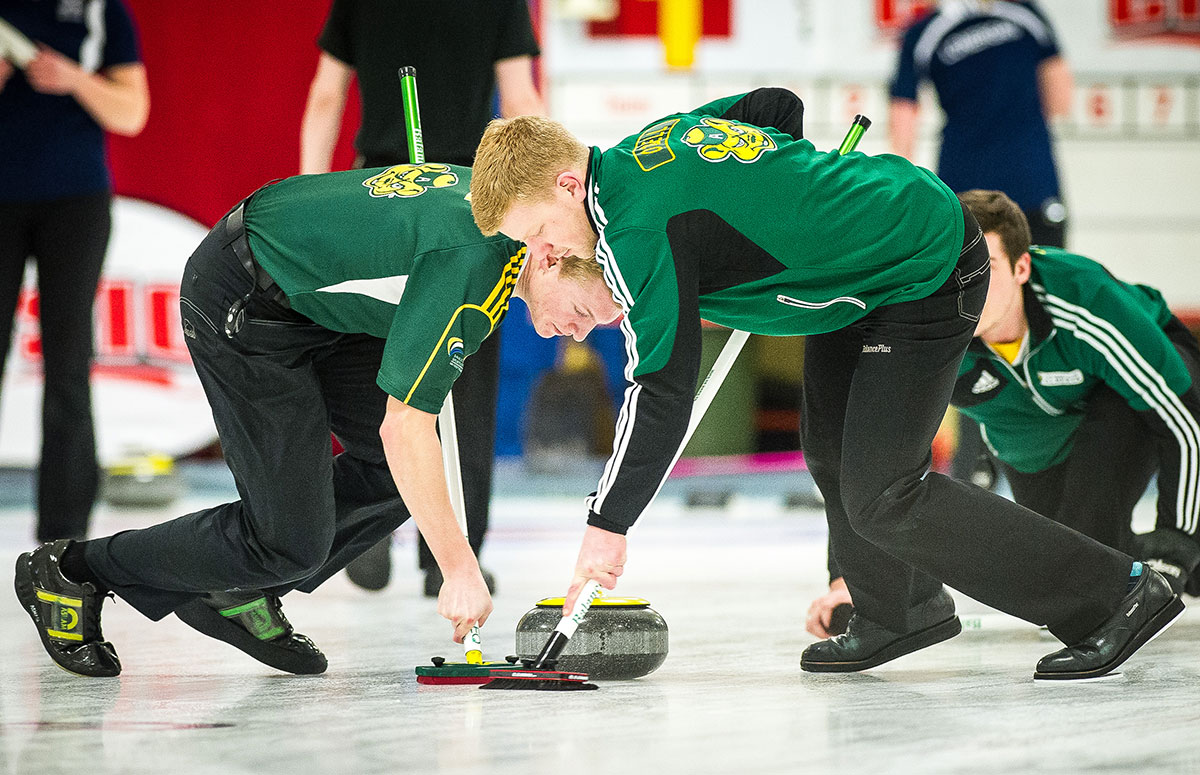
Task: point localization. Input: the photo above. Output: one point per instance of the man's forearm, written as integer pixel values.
(653, 427)
(414, 457)
(1055, 87)
(318, 135)
(518, 93)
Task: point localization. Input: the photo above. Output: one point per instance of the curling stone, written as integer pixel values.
(142, 480)
(620, 638)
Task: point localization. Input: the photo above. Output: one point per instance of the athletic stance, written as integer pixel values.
(703, 215)
(1085, 387)
(344, 302)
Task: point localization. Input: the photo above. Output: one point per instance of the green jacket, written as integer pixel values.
(706, 215)
(392, 252)
(1086, 328)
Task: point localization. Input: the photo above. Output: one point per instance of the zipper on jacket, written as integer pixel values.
(1037, 397)
(1027, 381)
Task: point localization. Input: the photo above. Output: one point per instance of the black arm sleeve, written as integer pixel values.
(335, 38)
(770, 107)
(655, 415)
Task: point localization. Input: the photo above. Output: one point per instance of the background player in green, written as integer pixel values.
(1085, 387)
(344, 302)
(703, 215)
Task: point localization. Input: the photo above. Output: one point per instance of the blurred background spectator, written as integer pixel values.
(85, 78)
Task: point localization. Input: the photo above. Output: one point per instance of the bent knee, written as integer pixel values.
(295, 557)
(875, 512)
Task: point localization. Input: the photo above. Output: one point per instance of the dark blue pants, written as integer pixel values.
(277, 389)
(67, 239)
(874, 396)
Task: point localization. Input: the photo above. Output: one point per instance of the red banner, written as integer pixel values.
(1155, 18)
(895, 16)
(228, 85)
(640, 17)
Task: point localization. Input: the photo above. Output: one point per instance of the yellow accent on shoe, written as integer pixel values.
(49, 597)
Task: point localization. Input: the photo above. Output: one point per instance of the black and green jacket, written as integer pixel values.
(392, 252)
(706, 215)
(1086, 328)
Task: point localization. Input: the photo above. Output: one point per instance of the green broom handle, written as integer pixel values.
(472, 643)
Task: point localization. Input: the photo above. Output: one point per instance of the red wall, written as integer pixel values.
(228, 82)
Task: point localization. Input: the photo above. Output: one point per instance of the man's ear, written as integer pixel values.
(1022, 268)
(542, 261)
(574, 184)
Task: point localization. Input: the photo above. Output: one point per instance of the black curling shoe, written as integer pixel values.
(865, 644)
(254, 622)
(1146, 611)
(67, 615)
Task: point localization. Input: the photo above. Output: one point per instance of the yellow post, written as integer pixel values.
(679, 27)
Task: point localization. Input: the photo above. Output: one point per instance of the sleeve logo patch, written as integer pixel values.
(651, 149)
(986, 382)
(454, 348)
(716, 139)
(409, 180)
(1060, 378)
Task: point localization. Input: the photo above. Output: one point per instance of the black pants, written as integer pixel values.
(277, 389)
(67, 239)
(475, 395)
(898, 530)
(1095, 489)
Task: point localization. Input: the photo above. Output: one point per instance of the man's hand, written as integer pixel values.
(601, 557)
(52, 73)
(464, 600)
(821, 610)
